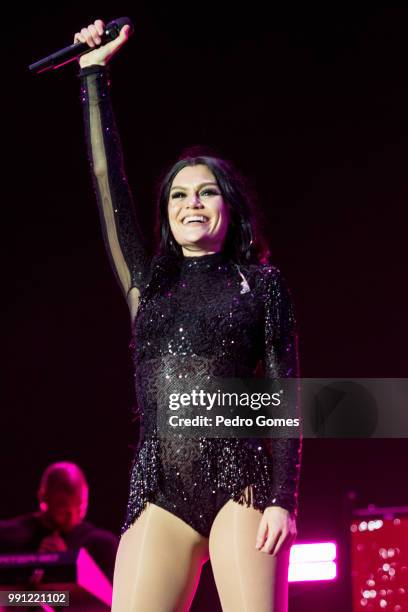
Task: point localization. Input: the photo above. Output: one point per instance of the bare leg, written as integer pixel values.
(247, 580)
(158, 564)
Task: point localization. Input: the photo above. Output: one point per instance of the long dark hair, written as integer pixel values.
(244, 242)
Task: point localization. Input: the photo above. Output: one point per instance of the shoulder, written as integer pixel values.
(19, 522)
(273, 291)
(265, 277)
(275, 281)
(18, 532)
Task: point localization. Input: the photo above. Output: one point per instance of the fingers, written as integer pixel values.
(100, 26)
(88, 36)
(124, 33)
(52, 547)
(47, 547)
(278, 541)
(261, 535)
(120, 40)
(272, 540)
(92, 34)
(95, 34)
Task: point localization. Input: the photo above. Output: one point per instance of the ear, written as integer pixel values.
(43, 504)
(84, 511)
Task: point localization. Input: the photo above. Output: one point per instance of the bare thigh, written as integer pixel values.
(247, 580)
(158, 564)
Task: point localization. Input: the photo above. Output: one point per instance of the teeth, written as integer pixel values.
(194, 218)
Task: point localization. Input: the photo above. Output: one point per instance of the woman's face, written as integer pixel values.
(195, 194)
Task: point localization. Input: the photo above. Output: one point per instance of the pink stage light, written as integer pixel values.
(91, 578)
(314, 561)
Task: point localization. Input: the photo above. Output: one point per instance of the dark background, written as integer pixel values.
(311, 102)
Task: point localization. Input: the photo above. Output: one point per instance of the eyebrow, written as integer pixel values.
(199, 186)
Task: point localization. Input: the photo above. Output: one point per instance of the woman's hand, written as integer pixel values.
(277, 530)
(92, 35)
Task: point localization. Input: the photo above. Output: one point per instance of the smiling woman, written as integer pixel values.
(198, 215)
(202, 184)
(192, 318)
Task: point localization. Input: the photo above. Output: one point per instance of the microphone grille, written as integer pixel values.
(117, 24)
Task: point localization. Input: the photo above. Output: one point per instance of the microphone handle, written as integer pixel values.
(69, 54)
(53, 61)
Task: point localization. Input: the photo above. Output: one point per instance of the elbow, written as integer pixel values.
(100, 170)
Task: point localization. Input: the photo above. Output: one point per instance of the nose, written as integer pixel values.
(195, 202)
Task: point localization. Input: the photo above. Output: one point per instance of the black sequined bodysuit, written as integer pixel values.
(190, 320)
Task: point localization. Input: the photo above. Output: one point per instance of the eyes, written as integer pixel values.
(178, 194)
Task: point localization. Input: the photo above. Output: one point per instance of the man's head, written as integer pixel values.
(63, 495)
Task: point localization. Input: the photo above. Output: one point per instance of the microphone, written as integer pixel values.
(69, 54)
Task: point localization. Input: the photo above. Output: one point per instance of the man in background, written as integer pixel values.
(59, 523)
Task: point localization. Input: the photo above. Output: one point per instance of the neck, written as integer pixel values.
(187, 252)
(204, 262)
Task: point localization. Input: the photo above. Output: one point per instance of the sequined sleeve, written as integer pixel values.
(281, 360)
(123, 239)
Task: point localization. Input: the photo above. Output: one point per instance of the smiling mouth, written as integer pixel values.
(195, 220)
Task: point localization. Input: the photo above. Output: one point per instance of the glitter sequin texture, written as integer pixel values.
(193, 322)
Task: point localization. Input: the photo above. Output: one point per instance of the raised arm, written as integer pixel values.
(281, 360)
(124, 241)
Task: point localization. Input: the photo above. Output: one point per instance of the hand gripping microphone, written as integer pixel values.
(68, 54)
